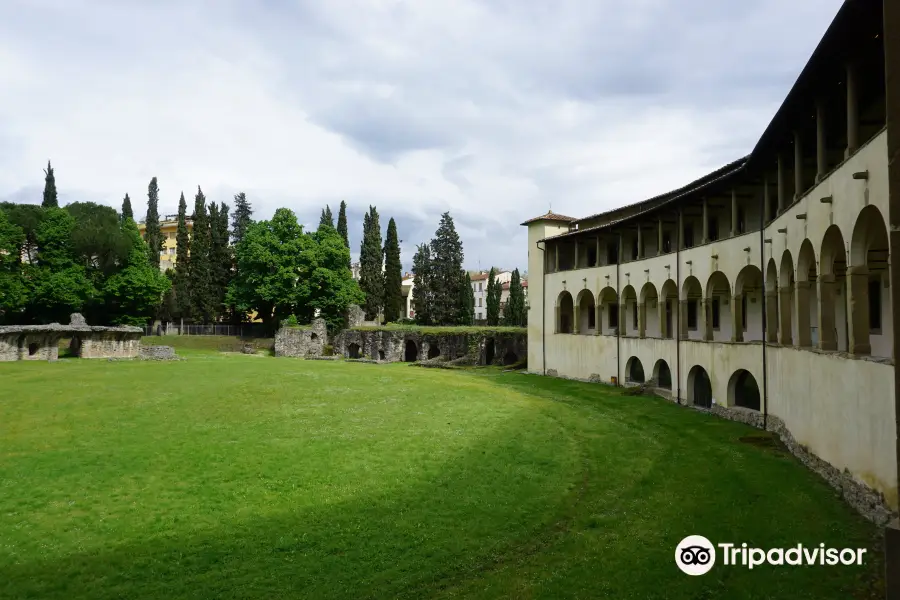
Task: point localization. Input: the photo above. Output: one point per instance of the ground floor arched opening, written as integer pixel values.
(489, 351)
(381, 355)
(353, 351)
(634, 370)
(662, 374)
(433, 351)
(699, 387)
(743, 390)
(411, 352)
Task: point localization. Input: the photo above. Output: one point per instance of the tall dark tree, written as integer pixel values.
(242, 217)
(200, 279)
(447, 258)
(50, 198)
(181, 283)
(515, 314)
(13, 291)
(393, 275)
(219, 254)
(371, 262)
(127, 213)
(326, 218)
(466, 305)
(342, 224)
(423, 287)
(494, 290)
(152, 233)
(28, 217)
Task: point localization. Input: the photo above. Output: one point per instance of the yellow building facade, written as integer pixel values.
(169, 229)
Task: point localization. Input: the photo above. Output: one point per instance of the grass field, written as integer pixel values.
(232, 476)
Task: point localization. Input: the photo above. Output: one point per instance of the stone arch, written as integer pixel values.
(668, 313)
(832, 291)
(353, 350)
(33, 348)
(743, 390)
(313, 336)
(748, 305)
(634, 370)
(869, 299)
(718, 302)
(586, 312)
(649, 312)
(489, 351)
(806, 296)
(630, 314)
(380, 354)
(691, 309)
(609, 311)
(410, 351)
(433, 350)
(771, 301)
(699, 387)
(662, 375)
(565, 312)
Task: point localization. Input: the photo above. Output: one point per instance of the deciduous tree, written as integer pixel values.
(133, 294)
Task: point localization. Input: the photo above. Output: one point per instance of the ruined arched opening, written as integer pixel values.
(433, 351)
(510, 358)
(634, 370)
(743, 390)
(410, 352)
(381, 355)
(33, 348)
(662, 375)
(489, 351)
(699, 387)
(353, 350)
(313, 336)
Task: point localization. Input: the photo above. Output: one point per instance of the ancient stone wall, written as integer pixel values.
(41, 342)
(108, 344)
(395, 345)
(158, 353)
(301, 341)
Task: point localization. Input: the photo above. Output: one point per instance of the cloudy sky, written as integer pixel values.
(491, 109)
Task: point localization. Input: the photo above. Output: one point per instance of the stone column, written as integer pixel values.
(705, 221)
(852, 112)
(682, 320)
(734, 213)
(642, 320)
(640, 243)
(659, 239)
(798, 165)
(767, 204)
(706, 305)
(821, 148)
(801, 296)
(737, 318)
(858, 309)
(827, 338)
(772, 316)
(782, 185)
(785, 333)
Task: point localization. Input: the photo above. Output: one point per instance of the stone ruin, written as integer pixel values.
(302, 340)
(41, 342)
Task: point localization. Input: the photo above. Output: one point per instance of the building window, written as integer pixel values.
(592, 319)
(613, 316)
(741, 224)
(688, 236)
(713, 229)
(612, 253)
(692, 314)
(715, 312)
(479, 286)
(634, 249)
(479, 302)
(875, 305)
(592, 256)
(667, 242)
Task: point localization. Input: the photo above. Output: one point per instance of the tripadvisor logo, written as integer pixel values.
(696, 555)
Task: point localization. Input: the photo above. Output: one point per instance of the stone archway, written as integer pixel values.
(634, 370)
(353, 350)
(699, 387)
(743, 390)
(433, 351)
(410, 351)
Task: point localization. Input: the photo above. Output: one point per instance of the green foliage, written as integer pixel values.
(181, 283)
(423, 295)
(330, 287)
(127, 212)
(242, 217)
(220, 258)
(393, 275)
(13, 291)
(342, 224)
(134, 293)
(200, 278)
(28, 217)
(98, 240)
(492, 300)
(371, 262)
(446, 263)
(152, 233)
(516, 313)
(291, 321)
(326, 218)
(50, 198)
(466, 305)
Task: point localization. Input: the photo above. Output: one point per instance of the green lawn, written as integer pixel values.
(232, 476)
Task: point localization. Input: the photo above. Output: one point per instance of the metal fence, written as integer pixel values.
(247, 330)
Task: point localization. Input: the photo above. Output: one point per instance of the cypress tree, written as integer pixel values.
(50, 198)
(127, 213)
(242, 217)
(466, 307)
(217, 246)
(493, 300)
(152, 233)
(423, 297)
(342, 223)
(515, 314)
(371, 262)
(326, 218)
(182, 262)
(200, 279)
(393, 275)
(446, 258)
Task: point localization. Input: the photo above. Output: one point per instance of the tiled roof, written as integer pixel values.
(551, 216)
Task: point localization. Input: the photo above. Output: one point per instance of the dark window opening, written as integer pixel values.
(592, 256)
(875, 304)
(564, 325)
(353, 351)
(433, 351)
(664, 376)
(741, 224)
(592, 318)
(613, 316)
(667, 242)
(381, 355)
(33, 349)
(713, 229)
(634, 249)
(612, 253)
(715, 313)
(634, 315)
(692, 314)
(688, 236)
